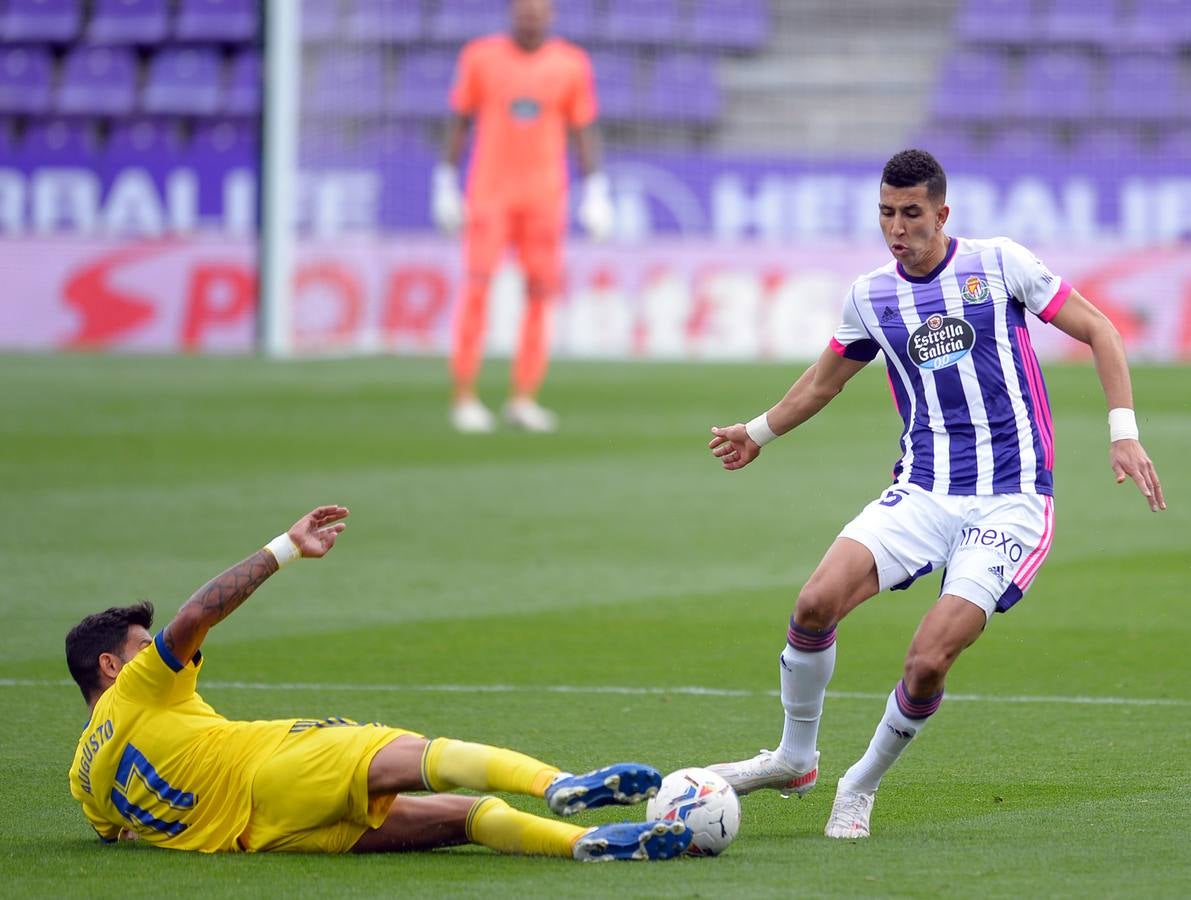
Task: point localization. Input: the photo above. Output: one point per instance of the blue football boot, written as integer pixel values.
(633, 840)
(625, 783)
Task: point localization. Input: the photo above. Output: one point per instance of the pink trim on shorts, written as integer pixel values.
(1028, 569)
(1056, 302)
(837, 347)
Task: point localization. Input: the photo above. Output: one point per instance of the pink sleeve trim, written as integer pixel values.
(1056, 302)
(837, 347)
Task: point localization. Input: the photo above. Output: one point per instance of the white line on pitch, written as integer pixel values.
(615, 689)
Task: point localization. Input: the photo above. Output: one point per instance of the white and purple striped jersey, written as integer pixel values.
(961, 366)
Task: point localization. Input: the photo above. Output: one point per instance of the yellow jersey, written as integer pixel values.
(157, 759)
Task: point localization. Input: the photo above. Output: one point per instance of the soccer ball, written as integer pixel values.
(705, 802)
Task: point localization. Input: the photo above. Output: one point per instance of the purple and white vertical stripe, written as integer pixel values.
(977, 420)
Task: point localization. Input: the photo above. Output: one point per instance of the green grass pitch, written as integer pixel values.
(480, 576)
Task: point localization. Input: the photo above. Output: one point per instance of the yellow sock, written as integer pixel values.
(494, 824)
(448, 764)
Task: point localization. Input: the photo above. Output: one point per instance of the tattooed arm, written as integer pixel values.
(313, 534)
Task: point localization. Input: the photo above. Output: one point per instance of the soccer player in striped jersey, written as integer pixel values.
(156, 762)
(973, 490)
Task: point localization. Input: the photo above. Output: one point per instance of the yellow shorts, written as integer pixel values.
(311, 795)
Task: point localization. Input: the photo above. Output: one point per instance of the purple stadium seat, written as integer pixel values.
(692, 79)
(1056, 85)
(1081, 21)
(971, 86)
(730, 24)
(54, 21)
(1142, 86)
(1011, 22)
(231, 21)
(184, 81)
(218, 137)
(320, 21)
(462, 20)
(1157, 24)
(26, 76)
(60, 141)
(242, 97)
(617, 85)
(349, 83)
(98, 81)
(575, 20)
(387, 21)
(423, 84)
(128, 22)
(149, 138)
(642, 21)
(218, 145)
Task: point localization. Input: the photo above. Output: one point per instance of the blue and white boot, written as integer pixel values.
(633, 840)
(624, 783)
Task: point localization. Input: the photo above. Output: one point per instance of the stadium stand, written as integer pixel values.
(1100, 77)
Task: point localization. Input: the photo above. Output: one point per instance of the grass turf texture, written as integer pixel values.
(614, 553)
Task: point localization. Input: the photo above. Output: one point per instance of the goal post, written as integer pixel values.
(279, 174)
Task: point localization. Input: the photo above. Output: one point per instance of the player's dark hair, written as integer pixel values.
(103, 632)
(910, 168)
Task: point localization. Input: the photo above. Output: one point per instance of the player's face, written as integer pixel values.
(913, 227)
(531, 20)
(138, 639)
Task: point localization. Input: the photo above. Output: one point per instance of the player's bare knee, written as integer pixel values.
(816, 609)
(925, 671)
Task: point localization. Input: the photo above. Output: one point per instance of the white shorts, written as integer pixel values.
(991, 546)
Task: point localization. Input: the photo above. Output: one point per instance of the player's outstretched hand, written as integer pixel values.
(1129, 460)
(315, 533)
(732, 446)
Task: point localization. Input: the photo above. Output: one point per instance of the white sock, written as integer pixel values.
(804, 683)
(892, 737)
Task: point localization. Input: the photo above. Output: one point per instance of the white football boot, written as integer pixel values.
(765, 770)
(472, 417)
(850, 814)
(527, 415)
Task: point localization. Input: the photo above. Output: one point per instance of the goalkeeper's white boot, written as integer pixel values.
(527, 415)
(850, 814)
(765, 770)
(470, 416)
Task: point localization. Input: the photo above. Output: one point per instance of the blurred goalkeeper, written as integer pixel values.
(156, 762)
(525, 90)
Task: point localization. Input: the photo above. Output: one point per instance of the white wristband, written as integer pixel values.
(284, 550)
(760, 432)
(1122, 424)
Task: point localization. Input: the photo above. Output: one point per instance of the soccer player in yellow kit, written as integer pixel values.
(157, 762)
